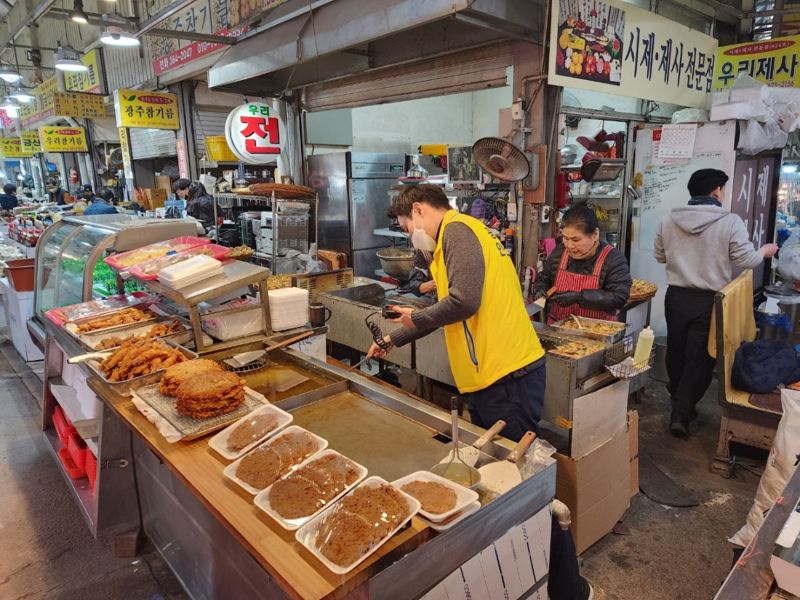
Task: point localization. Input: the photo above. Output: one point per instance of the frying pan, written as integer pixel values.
(499, 477)
(471, 454)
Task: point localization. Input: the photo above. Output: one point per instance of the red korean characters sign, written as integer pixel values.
(255, 133)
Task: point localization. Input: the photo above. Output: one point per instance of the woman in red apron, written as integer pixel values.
(589, 277)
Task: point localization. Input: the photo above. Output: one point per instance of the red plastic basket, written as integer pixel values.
(69, 466)
(64, 428)
(77, 450)
(90, 466)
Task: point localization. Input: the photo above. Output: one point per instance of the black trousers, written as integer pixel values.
(689, 366)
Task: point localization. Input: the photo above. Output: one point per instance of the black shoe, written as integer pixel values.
(679, 426)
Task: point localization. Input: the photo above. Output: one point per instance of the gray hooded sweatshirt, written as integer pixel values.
(701, 245)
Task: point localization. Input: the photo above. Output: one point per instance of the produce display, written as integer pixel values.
(434, 497)
(124, 317)
(137, 357)
(271, 461)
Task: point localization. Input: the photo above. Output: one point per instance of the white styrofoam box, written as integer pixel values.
(226, 327)
(735, 110)
(288, 308)
(751, 95)
(720, 97)
(197, 265)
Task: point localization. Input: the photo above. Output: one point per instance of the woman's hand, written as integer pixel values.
(376, 351)
(405, 315)
(427, 286)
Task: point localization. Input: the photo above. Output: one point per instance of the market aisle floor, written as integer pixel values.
(674, 553)
(46, 550)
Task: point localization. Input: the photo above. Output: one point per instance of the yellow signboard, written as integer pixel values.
(63, 139)
(11, 147)
(772, 62)
(90, 81)
(75, 104)
(31, 142)
(154, 110)
(127, 164)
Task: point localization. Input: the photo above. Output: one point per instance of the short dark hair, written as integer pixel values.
(87, 187)
(52, 181)
(582, 217)
(105, 193)
(432, 195)
(10, 188)
(181, 184)
(197, 190)
(705, 181)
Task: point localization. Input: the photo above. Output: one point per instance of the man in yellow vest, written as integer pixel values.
(495, 356)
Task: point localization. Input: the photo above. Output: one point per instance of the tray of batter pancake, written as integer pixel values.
(311, 488)
(191, 428)
(609, 332)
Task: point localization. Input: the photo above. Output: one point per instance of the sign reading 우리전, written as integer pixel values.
(772, 62)
(253, 133)
(613, 47)
(63, 139)
(154, 110)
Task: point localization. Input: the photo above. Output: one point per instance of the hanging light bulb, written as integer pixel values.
(77, 13)
(68, 59)
(10, 105)
(9, 74)
(115, 36)
(20, 94)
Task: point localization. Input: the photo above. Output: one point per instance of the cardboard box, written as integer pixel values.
(633, 431)
(596, 488)
(163, 182)
(597, 417)
(155, 197)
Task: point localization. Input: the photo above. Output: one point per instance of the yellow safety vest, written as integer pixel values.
(499, 338)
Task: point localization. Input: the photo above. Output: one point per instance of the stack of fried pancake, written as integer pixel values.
(203, 389)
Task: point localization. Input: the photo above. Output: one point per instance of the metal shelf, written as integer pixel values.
(79, 488)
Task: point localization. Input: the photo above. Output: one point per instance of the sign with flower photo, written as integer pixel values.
(613, 47)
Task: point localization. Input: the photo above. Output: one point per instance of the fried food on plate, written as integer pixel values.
(176, 375)
(206, 397)
(137, 357)
(122, 317)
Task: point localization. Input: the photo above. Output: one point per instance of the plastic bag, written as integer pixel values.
(789, 257)
(536, 458)
(756, 138)
(690, 115)
(780, 466)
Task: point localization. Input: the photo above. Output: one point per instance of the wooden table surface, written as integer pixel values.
(296, 570)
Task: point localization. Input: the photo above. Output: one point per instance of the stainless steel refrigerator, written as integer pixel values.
(353, 190)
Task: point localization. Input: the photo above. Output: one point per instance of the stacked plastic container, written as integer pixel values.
(77, 459)
(288, 308)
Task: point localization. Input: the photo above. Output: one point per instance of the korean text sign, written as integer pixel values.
(772, 62)
(63, 139)
(254, 133)
(31, 143)
(613, 47)
(11, 147)
(90, 81)
(154, 110)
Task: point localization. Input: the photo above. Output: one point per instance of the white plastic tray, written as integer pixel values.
(464, 496)
(262, 500)
(219, 443)
(308, 532)
(445, 525)
(230, 470)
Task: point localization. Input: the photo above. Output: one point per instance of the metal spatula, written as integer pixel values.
(456, 469)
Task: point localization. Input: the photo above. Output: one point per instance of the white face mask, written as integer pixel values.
(421, 240)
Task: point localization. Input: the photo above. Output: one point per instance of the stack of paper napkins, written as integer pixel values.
(192, 270)
(288, 308)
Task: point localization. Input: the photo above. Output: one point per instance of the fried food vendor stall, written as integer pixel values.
(254, 467)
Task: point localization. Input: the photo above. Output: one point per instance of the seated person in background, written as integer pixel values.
(101, 203)
(200, 204)
(87, 193)
(55, 193)
(8, 199)
(421, 283)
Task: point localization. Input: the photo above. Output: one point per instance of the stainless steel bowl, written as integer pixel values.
(396, 262)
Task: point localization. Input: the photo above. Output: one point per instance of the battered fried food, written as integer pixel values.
(158, 330)
(607, 328)
(176, 375)
(266, 464)
(435, 497)
(137, 356)
(122, 317)
(577, 349)
(110, 342)
(248, 431)
(207, 397)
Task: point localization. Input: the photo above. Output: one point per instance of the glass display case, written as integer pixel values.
(69, 255)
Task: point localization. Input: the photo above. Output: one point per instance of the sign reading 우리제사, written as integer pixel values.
(254, 133)
(154, 110)
(63, 139)
(772, 62)
(613, 47)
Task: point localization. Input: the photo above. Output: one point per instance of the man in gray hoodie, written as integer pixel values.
(701, 244)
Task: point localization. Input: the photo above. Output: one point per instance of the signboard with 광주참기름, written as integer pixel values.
(153, 110)
(63, 139)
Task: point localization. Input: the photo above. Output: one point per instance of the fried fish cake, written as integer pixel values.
(185, 371)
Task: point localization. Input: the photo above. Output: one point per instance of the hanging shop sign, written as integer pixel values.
(125, 147)
(31, 142)
(76, 104)
(11, 147)
(153, 110)
(612, 47)
(63, 139)
(219, 17)
(90, 81)
(254, 133)
(31, 113)
(772, 62)
(183, 161)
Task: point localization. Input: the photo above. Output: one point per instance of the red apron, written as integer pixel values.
(566, 281)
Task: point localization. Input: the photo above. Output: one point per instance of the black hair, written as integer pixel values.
(432, 195)
(181, 184)
(105, 193)
(10, 188)
(705, 181)
(52, 181)
(196, 190)
(582, 217)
